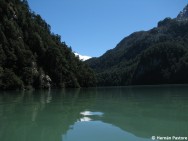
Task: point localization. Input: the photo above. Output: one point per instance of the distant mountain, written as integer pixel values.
(33, 57)
(157, 56)
(82, 57)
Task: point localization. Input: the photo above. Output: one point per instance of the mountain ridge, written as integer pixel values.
(183, 15)
(124, 65)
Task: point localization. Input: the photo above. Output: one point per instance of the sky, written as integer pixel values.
(91, 27)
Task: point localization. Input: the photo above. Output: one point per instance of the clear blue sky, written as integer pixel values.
(91, 27)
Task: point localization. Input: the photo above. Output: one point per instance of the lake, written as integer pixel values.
(94, 114)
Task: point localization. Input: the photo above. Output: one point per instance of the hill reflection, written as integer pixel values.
(132, 112)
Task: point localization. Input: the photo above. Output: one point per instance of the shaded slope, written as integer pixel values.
(32, 56)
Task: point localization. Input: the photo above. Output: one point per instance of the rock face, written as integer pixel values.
(45, 81)
(183, 15)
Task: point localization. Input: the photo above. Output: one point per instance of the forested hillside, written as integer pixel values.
(157, 56)
(31, 56)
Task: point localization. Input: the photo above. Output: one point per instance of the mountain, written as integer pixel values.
(183, 15)
(157, 56)
(82, 57)
(31, 56)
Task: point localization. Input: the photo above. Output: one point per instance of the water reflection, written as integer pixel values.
(89, 113)
(106, 114)
(45, 98)
(98, 131)
(85, 119)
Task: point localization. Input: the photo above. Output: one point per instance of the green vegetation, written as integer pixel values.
(33, 57)
(157, 56)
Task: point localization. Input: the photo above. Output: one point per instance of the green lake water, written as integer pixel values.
(94, 114)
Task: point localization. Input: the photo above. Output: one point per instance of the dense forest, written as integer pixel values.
(157, 56)
(31, 56)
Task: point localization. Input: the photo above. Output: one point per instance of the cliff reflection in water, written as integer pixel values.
(134, 113)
